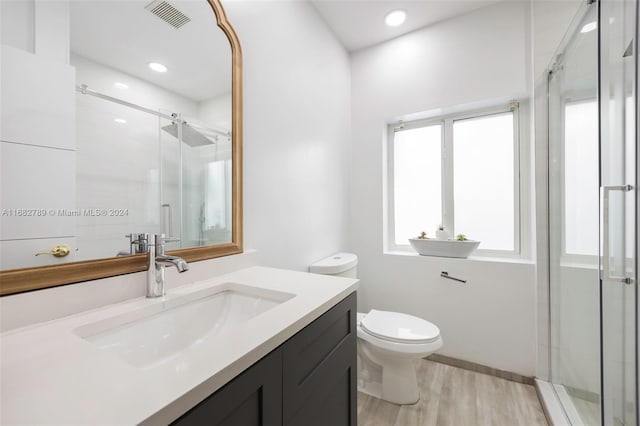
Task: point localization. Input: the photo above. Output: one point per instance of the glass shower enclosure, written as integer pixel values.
(592, 216)
(170, 173)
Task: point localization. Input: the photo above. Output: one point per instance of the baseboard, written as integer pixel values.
(479, 368)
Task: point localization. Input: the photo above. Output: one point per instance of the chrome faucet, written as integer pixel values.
(157, 261)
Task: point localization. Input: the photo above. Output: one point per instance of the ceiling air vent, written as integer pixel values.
(168, 13)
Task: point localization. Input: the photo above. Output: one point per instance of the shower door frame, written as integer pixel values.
(625, 184)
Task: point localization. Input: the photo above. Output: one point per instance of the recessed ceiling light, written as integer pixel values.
(120, 120)
(395, 18)
(589, 27)
(119, 85)
(157, 67)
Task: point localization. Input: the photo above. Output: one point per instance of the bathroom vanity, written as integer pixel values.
(309, 380)
(257, 346)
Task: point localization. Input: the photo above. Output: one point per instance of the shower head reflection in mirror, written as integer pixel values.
(195, 134)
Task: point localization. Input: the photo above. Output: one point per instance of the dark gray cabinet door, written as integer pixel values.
(319, 370)
(252, 398)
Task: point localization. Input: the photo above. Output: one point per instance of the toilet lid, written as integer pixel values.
(398, 327)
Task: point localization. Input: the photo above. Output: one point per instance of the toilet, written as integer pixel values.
(389, 343)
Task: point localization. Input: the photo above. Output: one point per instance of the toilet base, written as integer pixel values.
(369, 377)
(399, 382)
(396, 382)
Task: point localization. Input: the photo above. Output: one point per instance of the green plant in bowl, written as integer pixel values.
(461, 237)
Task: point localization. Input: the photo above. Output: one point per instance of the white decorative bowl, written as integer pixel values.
(442, 248)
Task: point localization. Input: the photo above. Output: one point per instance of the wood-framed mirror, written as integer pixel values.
(97, 146)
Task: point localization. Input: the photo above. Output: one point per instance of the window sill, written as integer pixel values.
(579, 261)
(510, 260)
(578, 265)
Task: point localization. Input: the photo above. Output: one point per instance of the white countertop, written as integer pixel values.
(50, 375)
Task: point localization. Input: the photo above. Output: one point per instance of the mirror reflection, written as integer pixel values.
(137, 137)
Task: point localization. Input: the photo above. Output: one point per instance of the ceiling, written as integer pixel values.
(360, 23)
(125, 36)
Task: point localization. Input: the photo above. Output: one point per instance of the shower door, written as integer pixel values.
(593, 216)
(618, 142)
(573, 222)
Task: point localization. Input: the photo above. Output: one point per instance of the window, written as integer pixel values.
(461, 171)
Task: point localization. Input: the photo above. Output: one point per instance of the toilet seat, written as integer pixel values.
(399, 328)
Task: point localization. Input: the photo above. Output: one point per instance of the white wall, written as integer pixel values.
(216, 111)
(17, 19)
(476, 57)
(296, 127)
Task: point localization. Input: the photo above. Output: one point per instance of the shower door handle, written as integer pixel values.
(605, 274)
(168, 226)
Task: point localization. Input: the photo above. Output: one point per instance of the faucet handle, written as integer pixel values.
(161, 239)
(136, 237)
(138, 242)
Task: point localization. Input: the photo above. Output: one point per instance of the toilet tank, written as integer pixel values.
(339, 264)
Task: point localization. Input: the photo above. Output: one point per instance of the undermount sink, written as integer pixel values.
(151, 335)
